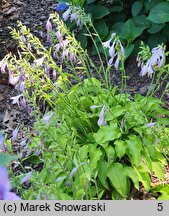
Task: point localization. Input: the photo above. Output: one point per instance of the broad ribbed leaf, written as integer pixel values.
(159, 13)
(158, 169)
(117, 176)
(107, 133)
(132, 174)
(98, 11)
(120, 148)
(155, 28)
(134, 147)
(143, 176)
(136, 7)
(103, 174)
(94, 157)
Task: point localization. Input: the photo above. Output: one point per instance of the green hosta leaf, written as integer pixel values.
(34, 159)
(158, 169)
(155, 28)
(156, 39)
(164, 196)
(141, 21)
(115, 112)
(136, 8)
(101, 28)
(117, 176)
(116, 9)
(82, 38)
(132, 174)
(164, 121)
(107, 133)
(134, 147)
(83, 152)
(103, 174)
(5, 159)
(98, 11)
(111, 155)
(143, 176)
(128, 50)
(129, 30)
(95, 155)
(120, 148)
(159, 13)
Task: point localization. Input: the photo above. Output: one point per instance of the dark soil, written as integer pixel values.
(34, 14)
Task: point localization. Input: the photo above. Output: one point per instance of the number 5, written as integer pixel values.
(160, 207)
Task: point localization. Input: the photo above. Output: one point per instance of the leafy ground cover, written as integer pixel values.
(98, 140)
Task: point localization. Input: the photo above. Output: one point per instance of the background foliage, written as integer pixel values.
(133, 21)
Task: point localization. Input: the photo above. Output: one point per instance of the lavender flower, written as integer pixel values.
(23, 103)
(47, 117)
(116, 50)
(59, 35)
(16, 99)
(102, 116)
(60, 178)
(23, 39)
(5, 186)
(39, 61)
(47, 70)
(73, 16)
(13, 80)
(116, 64)
(48, 25)
(76, 169)
(15, 133)
(54, 74)
(106, 44)
(66, 14)
(26, 178)
(157, 59)
(3, 66)
(151, 124)
(94, 106)
(49, 28)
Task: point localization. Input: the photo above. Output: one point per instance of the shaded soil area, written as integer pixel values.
(34, 14)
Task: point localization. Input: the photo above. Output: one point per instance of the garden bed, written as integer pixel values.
(34, 15)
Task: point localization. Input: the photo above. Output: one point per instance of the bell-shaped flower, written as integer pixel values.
(26, 178)
(13, 80)
(39, 61)
(102, 116)
(3, 66)
(112, 50)
(16, 99)
(121, 48)
(48, 25)
(116, 64)
(47, 117)
(23, 39)
(54, 74)
(15, 134)
(151, 124)
(59, 35)
(74, 170)
(106, 44)
(66, 14)
(156, 60)
(73, 16)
